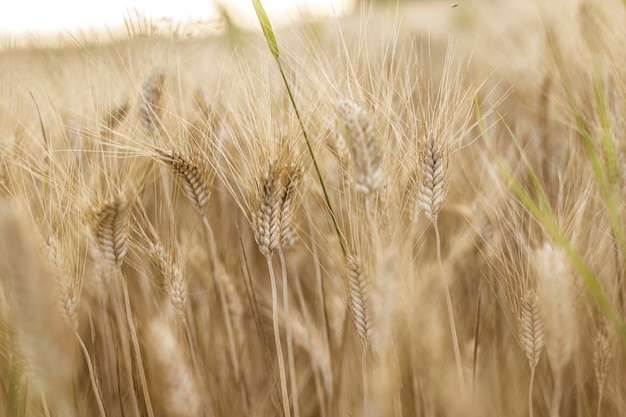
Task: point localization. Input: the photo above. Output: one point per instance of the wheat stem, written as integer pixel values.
(135, 342)
(455, 339)
(92, 375)
(222, 294)
(290, 357)
(530, 391)
(279, 348)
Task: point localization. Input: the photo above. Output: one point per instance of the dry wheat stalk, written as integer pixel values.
(432, 178)
(151, 101)
(110, 228)
(364, 146)
(358, 293)
(191, 175)
(171, 373)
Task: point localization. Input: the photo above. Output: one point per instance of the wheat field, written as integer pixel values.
(363, 216)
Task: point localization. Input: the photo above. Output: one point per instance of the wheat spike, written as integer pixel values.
(266, 217)
(191, 175)
(172, 279)
(557, 304)
(531, 328)
(433, 167)
(358, 288)
(111, 224)
(364, 146)
(603, 353)
(151, 98)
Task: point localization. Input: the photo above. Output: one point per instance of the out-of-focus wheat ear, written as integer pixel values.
(603, 357)
(531, 328)
(171, 377)
(555, 290)
(267, 203)
(433, 171)
(111, 229)
(358, 288)
(41, 336)
(191, 175)
(364, 146)
(150, 107)
(292, 177)
(531, 338)
(69, 286)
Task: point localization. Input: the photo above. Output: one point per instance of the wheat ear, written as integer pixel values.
(190, 174)
(151, 101)
(531, 338)
(602, 358)
(364, 147)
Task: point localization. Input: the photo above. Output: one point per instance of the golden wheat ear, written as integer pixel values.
(111, 229)
(358, 293)
(191, 175)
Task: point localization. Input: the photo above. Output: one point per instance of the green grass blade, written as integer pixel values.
(266, 26)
